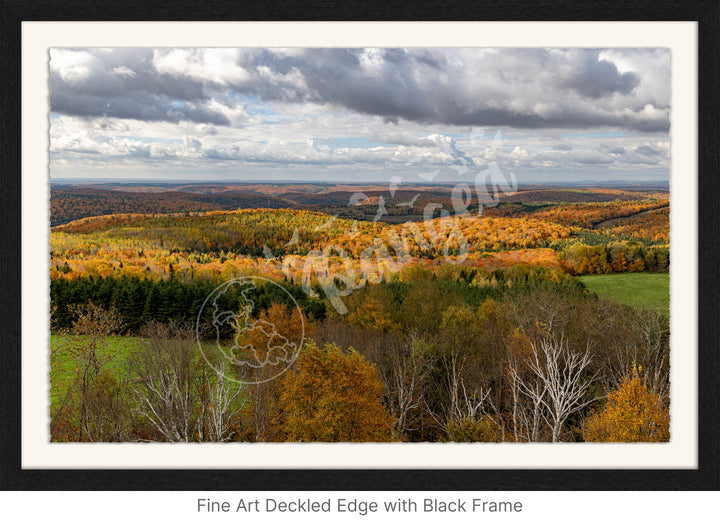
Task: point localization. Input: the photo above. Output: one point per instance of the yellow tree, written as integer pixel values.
(373, 310)
(633, 413)
(373, 316)
(333, 396)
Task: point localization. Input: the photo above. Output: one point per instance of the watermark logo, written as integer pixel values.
(250, 345)
(439, 234)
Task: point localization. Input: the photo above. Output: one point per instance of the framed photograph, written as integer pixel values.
(277, 248)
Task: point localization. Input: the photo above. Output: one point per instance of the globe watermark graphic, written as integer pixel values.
(242, 342)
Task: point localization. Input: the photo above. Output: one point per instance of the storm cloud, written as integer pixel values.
(359, 114)
(517, 88)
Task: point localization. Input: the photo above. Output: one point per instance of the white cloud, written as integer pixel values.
(123, 71)
(73, 66)
(215, 65)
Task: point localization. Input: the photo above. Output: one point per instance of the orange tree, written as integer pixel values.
(333, 396)
(633, 413)
(269, 342)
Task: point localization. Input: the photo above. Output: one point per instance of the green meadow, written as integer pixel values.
(643, 290)
(113, 356)
(62, 366)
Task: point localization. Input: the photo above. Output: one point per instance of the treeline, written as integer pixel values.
(615, 257)
(140, 301)
(471, 357)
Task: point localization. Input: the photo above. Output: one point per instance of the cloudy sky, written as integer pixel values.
(359, 114)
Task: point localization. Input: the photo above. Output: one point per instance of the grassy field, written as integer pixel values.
(645, 290)
(114, 356)
(62, 366)
(64, 379)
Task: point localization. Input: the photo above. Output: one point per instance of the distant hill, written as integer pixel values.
(587, 195)
(362, 202)
(68, 204)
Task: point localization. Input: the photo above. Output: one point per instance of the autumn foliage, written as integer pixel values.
(461, 327)
(633, 413)
(333, 395)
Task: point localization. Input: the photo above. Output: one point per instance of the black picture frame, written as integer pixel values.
(705, 477)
